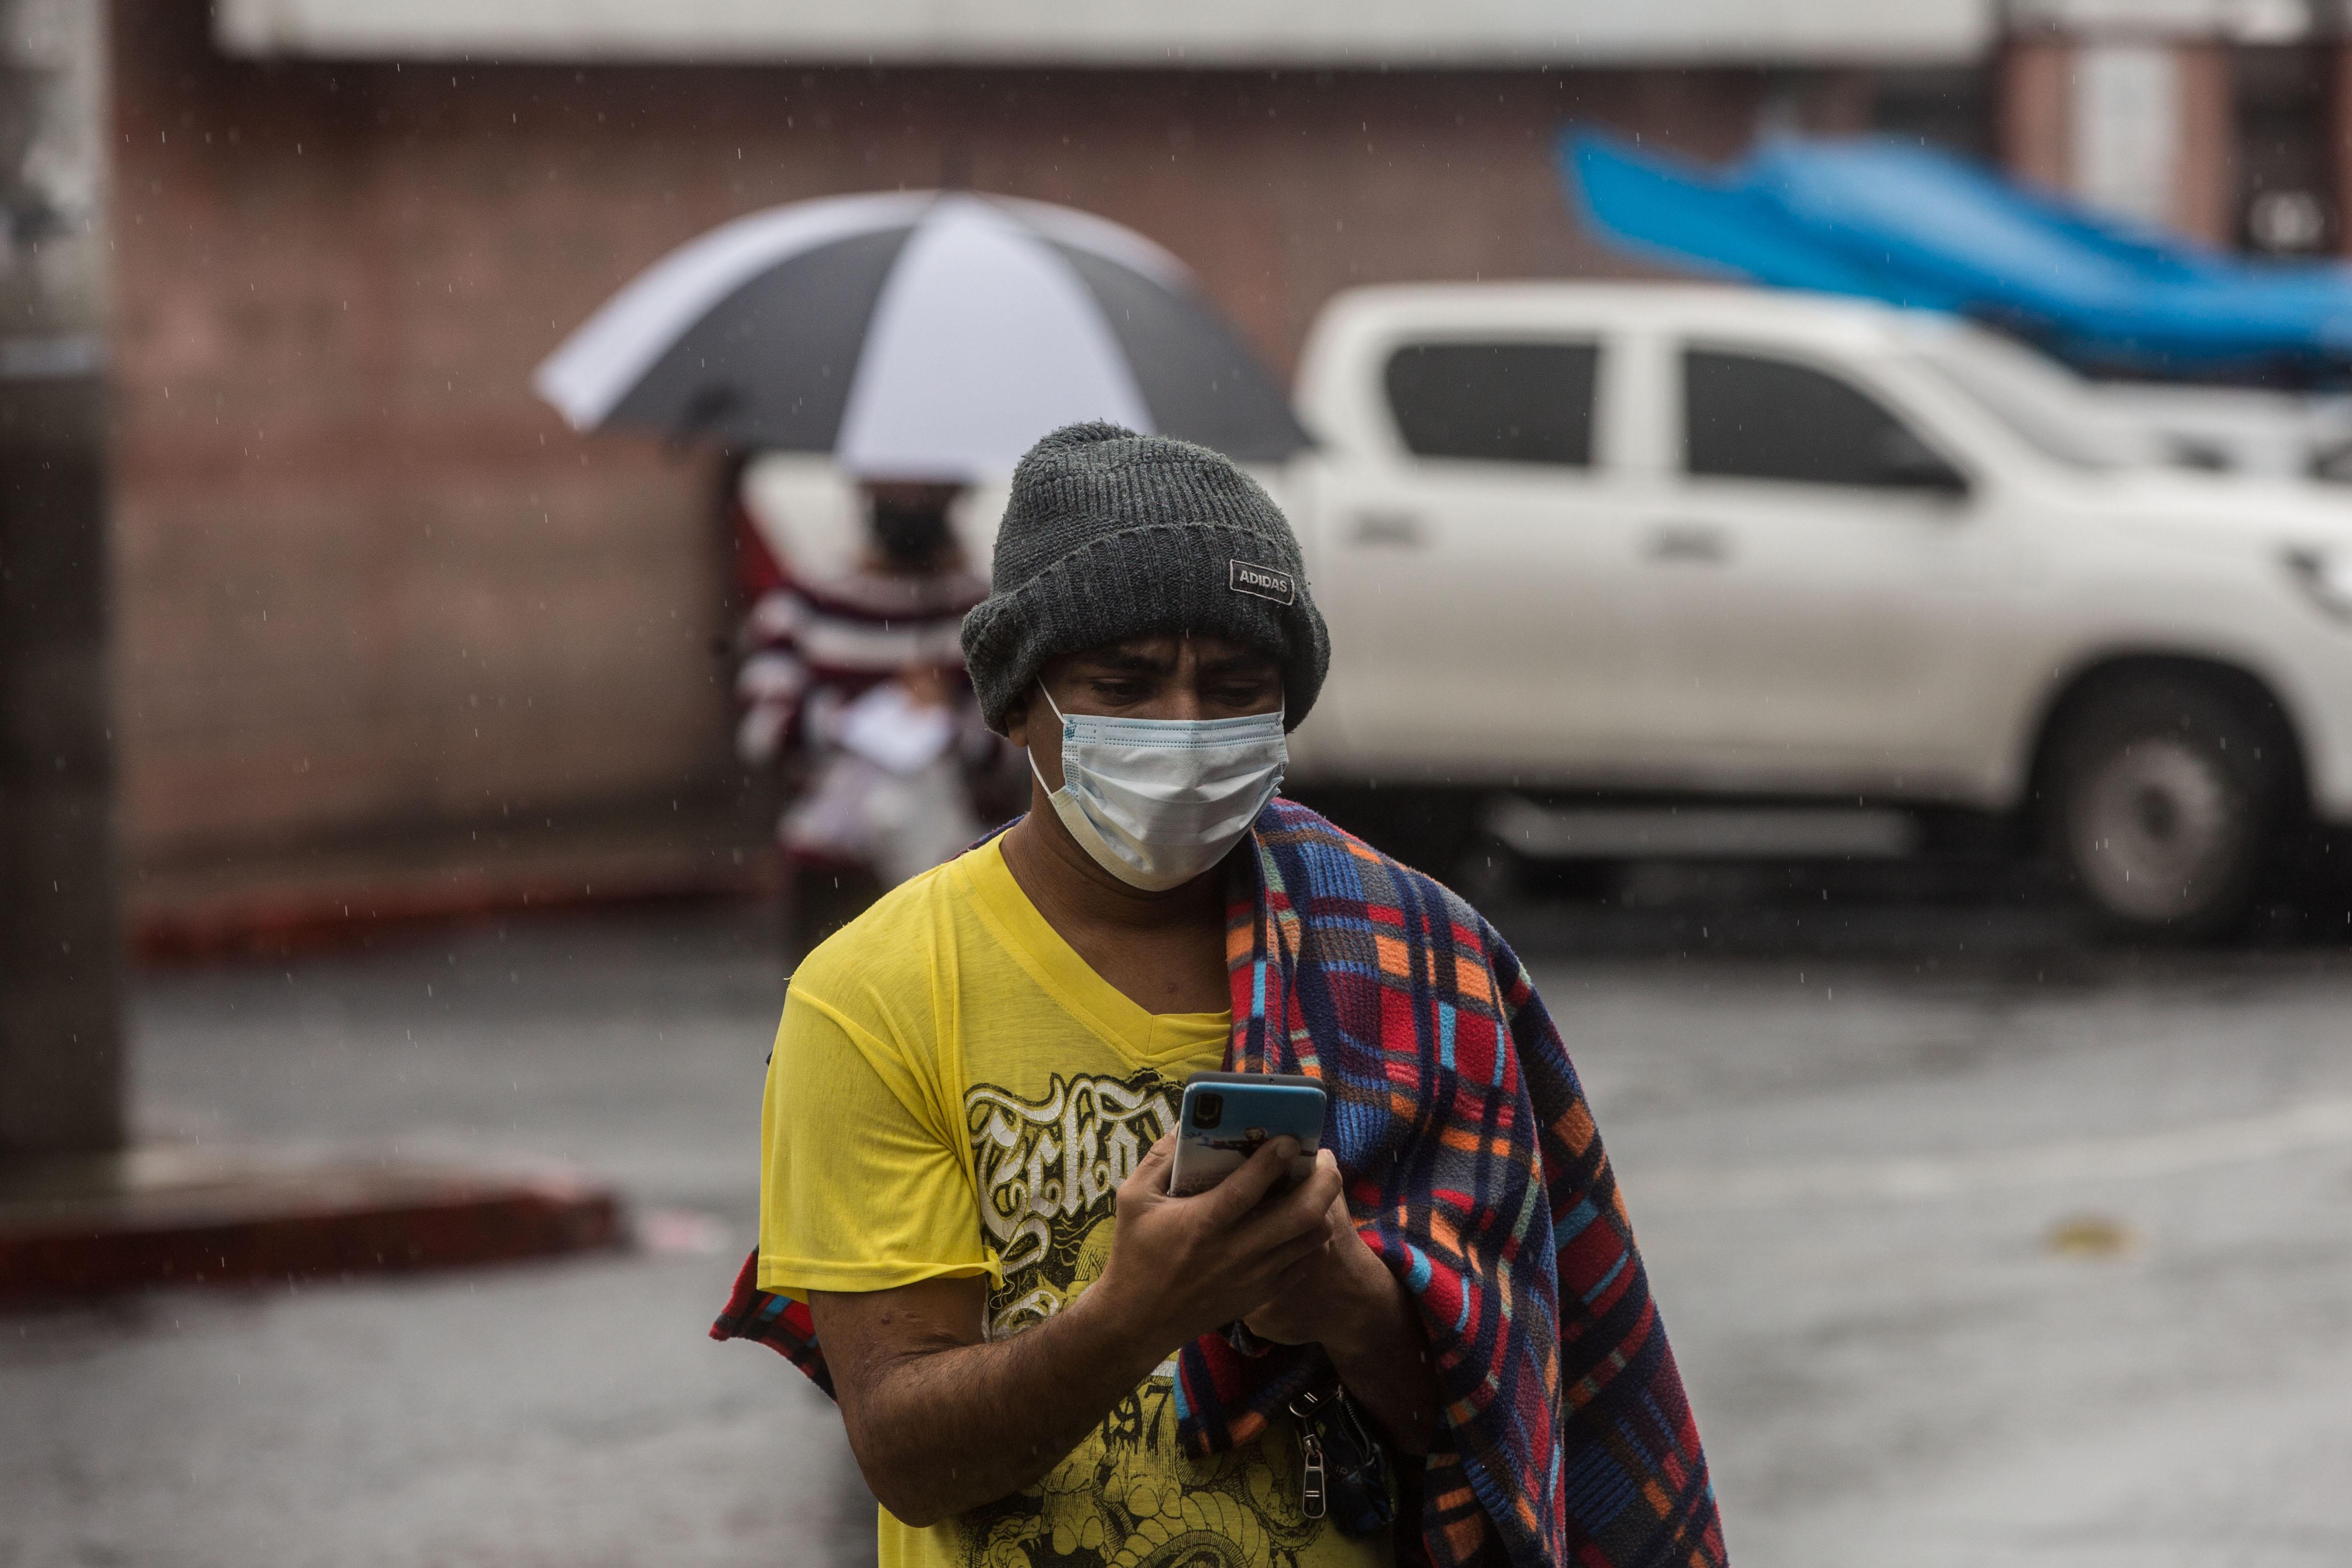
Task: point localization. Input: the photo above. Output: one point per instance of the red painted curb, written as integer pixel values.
(288, 923)
(465, 1223)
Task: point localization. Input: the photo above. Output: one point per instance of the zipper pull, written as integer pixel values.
(1310, 1485)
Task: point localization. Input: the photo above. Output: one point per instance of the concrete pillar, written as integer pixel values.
(61, 1069)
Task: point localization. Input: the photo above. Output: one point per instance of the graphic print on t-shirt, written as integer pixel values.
(1046, 1170)
(1126, 1496)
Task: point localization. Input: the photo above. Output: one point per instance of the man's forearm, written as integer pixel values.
(947, 1430)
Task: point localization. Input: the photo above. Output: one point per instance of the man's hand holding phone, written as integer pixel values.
(1338, 1297)
(1183, 1267)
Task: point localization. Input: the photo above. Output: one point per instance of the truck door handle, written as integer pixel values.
(1699, 542)
(1390, 527)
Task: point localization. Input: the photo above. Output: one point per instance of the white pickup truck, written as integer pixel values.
(1618, 570)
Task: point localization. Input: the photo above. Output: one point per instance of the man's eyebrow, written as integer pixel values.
(1126, 662)
(1130, 661)
(1249, 661)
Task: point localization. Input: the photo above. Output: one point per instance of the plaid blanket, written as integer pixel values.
(1475, 1171)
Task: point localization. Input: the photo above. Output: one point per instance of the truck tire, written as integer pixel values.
(2166, 799)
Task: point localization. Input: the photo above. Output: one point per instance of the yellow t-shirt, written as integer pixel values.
(954, 1092)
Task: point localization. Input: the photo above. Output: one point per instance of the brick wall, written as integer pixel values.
(366, 580)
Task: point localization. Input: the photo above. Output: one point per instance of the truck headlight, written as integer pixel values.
(2326, 574)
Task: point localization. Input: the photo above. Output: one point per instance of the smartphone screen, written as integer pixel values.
(1226, 1117)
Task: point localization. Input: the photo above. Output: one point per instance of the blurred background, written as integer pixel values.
(1833, 519)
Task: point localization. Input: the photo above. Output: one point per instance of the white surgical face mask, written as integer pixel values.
(1159, 801)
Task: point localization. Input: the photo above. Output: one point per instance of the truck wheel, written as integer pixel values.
(2167, 798)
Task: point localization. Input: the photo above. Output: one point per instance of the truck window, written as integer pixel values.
(1752, 417)
(1496, 403)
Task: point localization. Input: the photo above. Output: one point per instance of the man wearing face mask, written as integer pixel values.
(966, 1234)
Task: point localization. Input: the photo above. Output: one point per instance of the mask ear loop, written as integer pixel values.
(1035, 772)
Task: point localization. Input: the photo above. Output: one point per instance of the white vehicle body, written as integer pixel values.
(1627, 624)
(2278, 434)
(1819, 563)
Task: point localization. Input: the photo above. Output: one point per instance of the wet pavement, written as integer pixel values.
(1980, 1243)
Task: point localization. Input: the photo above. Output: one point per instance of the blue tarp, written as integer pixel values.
(1897, 222)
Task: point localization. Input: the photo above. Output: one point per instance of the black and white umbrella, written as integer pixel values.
(918, 335)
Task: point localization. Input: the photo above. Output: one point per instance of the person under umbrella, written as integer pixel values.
(852, 688)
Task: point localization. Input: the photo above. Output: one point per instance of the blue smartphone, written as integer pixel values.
(1226, 1117)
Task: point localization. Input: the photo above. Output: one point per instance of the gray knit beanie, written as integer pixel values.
(1112, 535)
